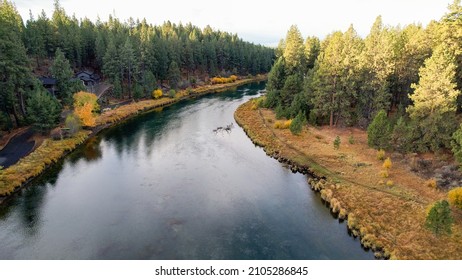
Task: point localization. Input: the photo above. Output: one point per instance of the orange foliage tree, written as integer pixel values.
(85, 105)
(85, 115)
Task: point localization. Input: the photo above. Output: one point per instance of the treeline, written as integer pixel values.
(135, 56)
(406, 81)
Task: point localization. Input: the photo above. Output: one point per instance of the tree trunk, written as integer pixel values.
(22, 104)
(16, 119)
(129, 81)
(331, 121)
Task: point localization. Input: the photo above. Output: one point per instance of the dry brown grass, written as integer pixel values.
(388, 216)
(36, 162)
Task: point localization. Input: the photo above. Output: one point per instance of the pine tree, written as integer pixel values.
(400, 136)
(312, 49)
(62, 72)
(277, 75)
(294, 51)
(111, 63)
(128, 62)
(439, 219)
(335, 76)
(15, 72)
(377, 65)
(436, 91)
(297, 123)
(379, 131)
(435, 101)
(174, 74)
(43, 110)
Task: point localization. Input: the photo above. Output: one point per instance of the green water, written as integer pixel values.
(165, 186)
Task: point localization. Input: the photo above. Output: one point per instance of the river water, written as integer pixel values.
(165, 186)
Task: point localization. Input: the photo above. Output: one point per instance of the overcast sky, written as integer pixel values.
(263, 22)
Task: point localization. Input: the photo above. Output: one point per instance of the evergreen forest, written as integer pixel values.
(135, 57)
(403, 83)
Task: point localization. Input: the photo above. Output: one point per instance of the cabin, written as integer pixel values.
(88, 78)
(49, 84)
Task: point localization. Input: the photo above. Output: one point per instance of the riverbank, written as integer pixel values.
(387, 214)
(50, 151)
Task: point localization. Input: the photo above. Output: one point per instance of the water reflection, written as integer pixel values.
(164, 186)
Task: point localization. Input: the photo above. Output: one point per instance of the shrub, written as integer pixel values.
(439, 219)
(387, 164)
(337, 142)
(401, 137)
(431, 183)
(379, 131)
(297, 125)
(72, 123)
(380, 154)
(390, 183)
(351, 140)
(282, 124)
(172, 93)
(455, 197)
(278, 124)
(156, 94)
(384, 174)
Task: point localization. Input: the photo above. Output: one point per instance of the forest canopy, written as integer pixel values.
(134, 56)
(403, 80)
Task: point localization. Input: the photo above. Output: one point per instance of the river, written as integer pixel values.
(165, 186)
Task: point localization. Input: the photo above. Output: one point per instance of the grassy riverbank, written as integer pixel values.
(50, 151)
(388, 214)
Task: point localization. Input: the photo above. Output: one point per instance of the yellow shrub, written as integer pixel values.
(455, 197)
(156, 94)
(384, 174)
(431, 183)
(282, 124)
(380, 154)
(287, 124)
(221, 80)
(390, 183)
(387, 164)
(278, 124)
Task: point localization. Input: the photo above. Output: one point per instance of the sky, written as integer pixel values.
(261, 22)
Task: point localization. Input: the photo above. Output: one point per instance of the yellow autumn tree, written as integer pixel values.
(85, 106)
(85, 115)
(157, 94)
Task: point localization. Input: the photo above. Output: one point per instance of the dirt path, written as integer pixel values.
(18, 146)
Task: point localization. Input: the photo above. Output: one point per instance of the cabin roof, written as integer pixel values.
(48, 81)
